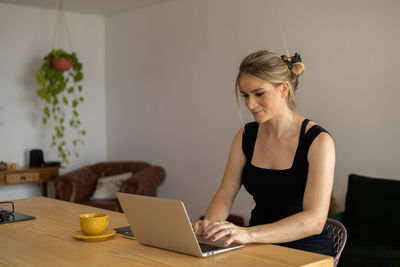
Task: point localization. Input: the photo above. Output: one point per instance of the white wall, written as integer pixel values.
(171, 69)
(26, 37)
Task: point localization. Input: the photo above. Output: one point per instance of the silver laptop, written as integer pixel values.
(164, 223)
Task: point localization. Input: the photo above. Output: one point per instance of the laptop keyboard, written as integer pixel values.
(207, 247)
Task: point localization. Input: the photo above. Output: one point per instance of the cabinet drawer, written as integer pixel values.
(23, 177)
(2, 178)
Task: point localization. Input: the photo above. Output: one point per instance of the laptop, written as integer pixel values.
(164, 223)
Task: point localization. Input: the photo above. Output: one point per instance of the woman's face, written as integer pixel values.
(263, 99)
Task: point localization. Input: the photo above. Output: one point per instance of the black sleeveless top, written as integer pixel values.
(279, 193)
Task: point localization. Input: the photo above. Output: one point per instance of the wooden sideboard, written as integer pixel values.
(30, 175)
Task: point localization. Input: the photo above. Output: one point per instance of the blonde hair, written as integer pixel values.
(270, 67)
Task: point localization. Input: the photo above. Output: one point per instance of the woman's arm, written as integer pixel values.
(221, 204)
(310, 221)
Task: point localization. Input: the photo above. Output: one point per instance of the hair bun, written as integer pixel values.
(298, 69)
(294, 64)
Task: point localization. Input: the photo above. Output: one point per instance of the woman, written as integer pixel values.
(284, 161)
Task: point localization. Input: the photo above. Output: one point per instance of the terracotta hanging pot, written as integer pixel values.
(61, 64)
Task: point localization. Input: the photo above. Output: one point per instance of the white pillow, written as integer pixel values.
(107, 187)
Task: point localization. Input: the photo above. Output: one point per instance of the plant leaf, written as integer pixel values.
(78, 77)
(47, 112)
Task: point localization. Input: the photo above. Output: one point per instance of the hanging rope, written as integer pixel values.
(62, 30)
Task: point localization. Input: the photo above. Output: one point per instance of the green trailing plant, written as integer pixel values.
(62, 94)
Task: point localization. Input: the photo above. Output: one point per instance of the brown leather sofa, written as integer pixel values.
(77, 186)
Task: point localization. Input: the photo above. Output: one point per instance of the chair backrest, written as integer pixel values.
(370, 210)
(338, 233)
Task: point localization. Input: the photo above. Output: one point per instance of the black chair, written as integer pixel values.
(338, 233)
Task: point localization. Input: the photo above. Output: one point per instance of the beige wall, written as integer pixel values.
(171, 69)
(26, 36)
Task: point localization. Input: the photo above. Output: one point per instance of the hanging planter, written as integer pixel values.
(59, 87)
(61, 64)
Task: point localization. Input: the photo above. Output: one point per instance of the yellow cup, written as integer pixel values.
(94, 223)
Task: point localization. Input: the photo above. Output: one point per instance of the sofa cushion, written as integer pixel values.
(107, 187)
(369, 254)
(372, 209)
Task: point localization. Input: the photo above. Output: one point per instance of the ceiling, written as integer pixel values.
(94, 7)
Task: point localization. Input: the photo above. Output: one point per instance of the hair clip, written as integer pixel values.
(290, 60)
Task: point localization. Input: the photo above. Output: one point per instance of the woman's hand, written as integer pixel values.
(200, 226)
(219, 229)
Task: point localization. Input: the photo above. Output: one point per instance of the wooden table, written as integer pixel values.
(48, 241)
(30, 175)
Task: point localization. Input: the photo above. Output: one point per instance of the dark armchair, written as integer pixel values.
(78, 186)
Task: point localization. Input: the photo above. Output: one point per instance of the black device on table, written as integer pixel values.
(36, 160)
(125, 231)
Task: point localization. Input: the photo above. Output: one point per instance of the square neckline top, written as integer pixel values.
(301, 136)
